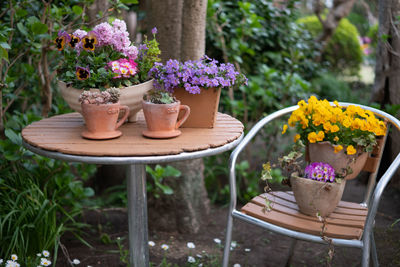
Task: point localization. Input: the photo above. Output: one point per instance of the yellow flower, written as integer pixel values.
(336, 103)
(335, 129)
(320, 136)
(336, 139)
(312, 137)
(338, 148)
(296, 138)
(351, 150)
(284, 128)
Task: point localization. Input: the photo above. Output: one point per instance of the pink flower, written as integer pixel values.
(119, 25)
(105, 33)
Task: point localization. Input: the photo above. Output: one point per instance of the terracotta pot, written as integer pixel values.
(203, 107)
(101, 120)
(162, 119)
(314, 197)
(324, 152)
(130, 96)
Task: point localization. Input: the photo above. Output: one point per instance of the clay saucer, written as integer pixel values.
(101, 135)
(161, 134)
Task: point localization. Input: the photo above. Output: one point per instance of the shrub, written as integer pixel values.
(343, 51)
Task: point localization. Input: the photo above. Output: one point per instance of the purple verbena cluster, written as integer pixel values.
(194, 75)
(320, 171)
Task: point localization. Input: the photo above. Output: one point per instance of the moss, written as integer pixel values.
(343, 50)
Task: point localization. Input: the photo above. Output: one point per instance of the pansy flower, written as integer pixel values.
(82, 73)
(62, 38)
(89, 41)
(74, 41)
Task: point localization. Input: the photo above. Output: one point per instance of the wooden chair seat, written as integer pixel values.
(347, 221)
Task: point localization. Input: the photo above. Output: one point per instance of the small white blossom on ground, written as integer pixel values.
(11, 263)
(233, 244)
(39, 254)
(217, 240)
(190, 245)
(199, 256)
(247, 249)
(191, 259)
(236, 265)
(46, 253)
(89, 266)
(164, 246)
(45, 262)
(152, 244)
(76, 261)
(200, 265)
(1, 261)
(14, 257)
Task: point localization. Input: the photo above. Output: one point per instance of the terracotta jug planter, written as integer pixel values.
(324, 152)
(314, 197)
(130, 96)
(203, 106)
(162, 119)
(102, 120)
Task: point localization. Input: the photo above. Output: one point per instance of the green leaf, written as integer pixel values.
(15, 138)
(77, 10)
(5, 45)
(165, 188)
(22, 28)
(171, 171)
(3, 54)
(39, 28)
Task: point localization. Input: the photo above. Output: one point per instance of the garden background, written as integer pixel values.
(288, 50)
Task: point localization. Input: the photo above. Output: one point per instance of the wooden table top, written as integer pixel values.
(62, 133)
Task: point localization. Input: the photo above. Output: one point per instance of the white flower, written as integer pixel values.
(200, 265)
(236, 265)
(76, 261)
(45, 262)
(164, 247)
(14, 257)
(247, 249)
(89, 266)
(11, 263)
(233, 244)
(217, 240)
(199, 256)
(152, 244)
(39, 254)
(190, 245)
(1, 261)
(191, 259)
(46, 253)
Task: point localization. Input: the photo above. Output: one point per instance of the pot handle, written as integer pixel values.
(123, 119)
(185, 116)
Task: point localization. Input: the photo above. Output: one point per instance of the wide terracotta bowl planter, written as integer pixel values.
(324, 152)
(101, 121)
(130, 96)
(203, 106)
(315, 197)
(162, 119)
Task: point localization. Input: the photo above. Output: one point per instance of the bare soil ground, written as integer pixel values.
(255, 246)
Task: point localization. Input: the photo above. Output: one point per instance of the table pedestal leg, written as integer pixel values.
(137, 215)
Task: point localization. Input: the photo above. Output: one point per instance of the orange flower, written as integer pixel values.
(284, 128)
(351, 150)
(338, 148)
(296, 138)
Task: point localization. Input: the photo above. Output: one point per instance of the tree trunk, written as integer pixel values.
(387, 69)
(193, 29)
(166, 15)
(181, 34)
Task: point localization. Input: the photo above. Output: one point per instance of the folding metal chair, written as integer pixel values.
(350, 225)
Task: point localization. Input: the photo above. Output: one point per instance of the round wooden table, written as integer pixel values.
(59, 137)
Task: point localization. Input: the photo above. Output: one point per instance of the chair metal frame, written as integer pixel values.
(367, 242)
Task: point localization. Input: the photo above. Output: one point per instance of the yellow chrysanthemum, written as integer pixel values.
(284, 129)
(320, 136)
(296, 138)
(351, 150)
(312, 137)
(338, 148)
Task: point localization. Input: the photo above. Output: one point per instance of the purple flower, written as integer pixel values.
(104, 33)
(320, 171)
(154, 31)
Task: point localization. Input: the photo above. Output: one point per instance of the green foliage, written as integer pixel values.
(343, 51)
(156, 187)
(159, 97)
(147, 57)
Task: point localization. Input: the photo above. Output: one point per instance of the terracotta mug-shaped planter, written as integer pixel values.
(314, 197)
(162, 119)
(102, 120)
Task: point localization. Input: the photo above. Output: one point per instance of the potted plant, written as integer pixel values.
(100, 111)
(161, 111)
(197, 84)
(342, 137)
(104, 57)
(317, 188)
